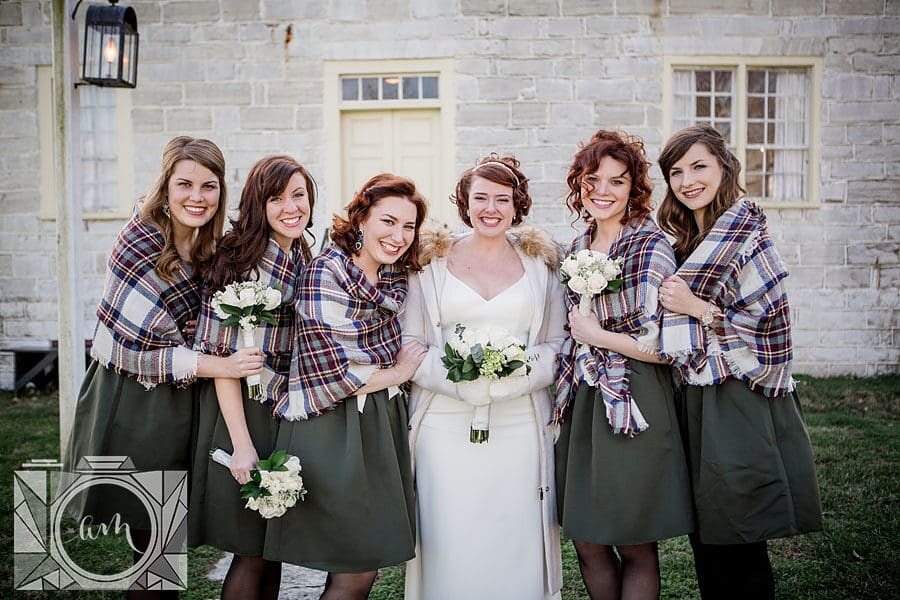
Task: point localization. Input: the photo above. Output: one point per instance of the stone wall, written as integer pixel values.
(533, 77)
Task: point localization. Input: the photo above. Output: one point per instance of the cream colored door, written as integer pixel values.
(404, 142)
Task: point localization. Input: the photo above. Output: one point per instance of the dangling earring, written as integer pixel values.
(165, 208)
(627, 209)
(359, 240)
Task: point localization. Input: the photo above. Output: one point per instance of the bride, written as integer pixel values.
(486, 511)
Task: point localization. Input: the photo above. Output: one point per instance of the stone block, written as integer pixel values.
(633, 67)
(567, 67)
(18, 124)
(255, 71)
(260, 118)
(211, 94)
(11, 13)
(864, 134)
(195, 11)
(864, 111)
(554, 89)
(598, 48)
(533, 8)
(863, 25)
(857, 170)
(848, 87)
(855, 233)
(651, 8)
(240, 10)
(147, 119)
(884, 253)
(486, 114)
(731, 7)
(568, 28)
(166, 34)
(820, 28)
(180, 119)
(17, 75)
(796, 8)
(518, 28)
(641, 46)
(854, 7)
(482, 7)
(562, 48)
(534, 67)
(878, 152)
(286, 10)
(571, 114)
(739, 25)
(605, 90)
(426, 9)
(159, 94)
(876, 64)
(17, 98)
(572, 8)
(618, 116)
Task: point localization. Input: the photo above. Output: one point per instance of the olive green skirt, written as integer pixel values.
(117, 416)
(751, 464)
(616, 490)
(359, 512)
(217, 514)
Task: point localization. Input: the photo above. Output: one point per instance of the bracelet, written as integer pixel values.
(706, 319)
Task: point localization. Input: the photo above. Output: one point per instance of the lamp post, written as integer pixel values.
(110, 46)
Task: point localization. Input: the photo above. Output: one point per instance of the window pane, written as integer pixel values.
(703, 106)
(773, 81)
(756, 107)
(723, 106)
(753, 183)
(410, 87)
(350, 88)
(770, 133)
(370, 88)
(723, 81)
(755, 133)
(429, 87)
(756, 82)
(724, 128)
(703, 81)
(390, 88)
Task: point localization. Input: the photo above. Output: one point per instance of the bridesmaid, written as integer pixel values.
(138, 385)
(728, 331)
(267, 244)
(347, 423)
(621, 479)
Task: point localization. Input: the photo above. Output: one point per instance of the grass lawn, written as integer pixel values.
(855, 429)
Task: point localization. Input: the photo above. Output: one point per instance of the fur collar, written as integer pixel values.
(436, 241)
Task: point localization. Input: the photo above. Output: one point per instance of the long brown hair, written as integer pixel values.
(674, 217)
(503, 170)
(628, 150)
(383, 185)
(241, 249)
(153, 205)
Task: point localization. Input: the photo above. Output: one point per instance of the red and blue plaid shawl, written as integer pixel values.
(738, 269)
(633, 310)
(346, 326)
(141, 316)
(276, 269)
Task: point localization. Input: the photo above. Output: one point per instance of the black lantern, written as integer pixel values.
(110, 46)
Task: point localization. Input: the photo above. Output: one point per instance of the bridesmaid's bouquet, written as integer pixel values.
(246, 304)
(588, 272)
(274, 486)
(490, 353)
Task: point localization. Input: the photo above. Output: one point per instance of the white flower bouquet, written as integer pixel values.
(490, 353)
(588, 272)
(275, 485)
(246, 304)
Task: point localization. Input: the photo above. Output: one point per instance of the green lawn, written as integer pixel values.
(854, 428)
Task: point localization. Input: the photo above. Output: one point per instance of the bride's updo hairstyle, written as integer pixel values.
(503, 170)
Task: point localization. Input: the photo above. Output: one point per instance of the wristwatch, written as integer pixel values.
(706, 319)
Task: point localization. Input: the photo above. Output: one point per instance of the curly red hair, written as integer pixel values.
(498, 169)
(628, 150)
(344, 230)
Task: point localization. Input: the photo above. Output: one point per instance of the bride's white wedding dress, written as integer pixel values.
(479, 507)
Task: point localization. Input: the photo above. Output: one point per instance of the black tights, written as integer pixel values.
(633, 574)
(348, 586)
(252, 578)
(733, 572)
(141, 539)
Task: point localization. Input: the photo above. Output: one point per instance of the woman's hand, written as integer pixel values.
(408, 360)
(586, 329)
(190, 328)
(476, 392)
(676, 296)
(245, 362)
(505, 388)
(243, 460)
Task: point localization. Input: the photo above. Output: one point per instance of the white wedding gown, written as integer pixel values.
(479, 509)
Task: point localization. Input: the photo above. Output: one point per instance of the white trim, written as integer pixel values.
(739, 105)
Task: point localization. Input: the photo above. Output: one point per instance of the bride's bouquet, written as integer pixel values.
(490, 353)
(246, 304)
(588, 272)
(274, 486)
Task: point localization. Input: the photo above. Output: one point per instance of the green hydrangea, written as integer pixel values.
(492, 363)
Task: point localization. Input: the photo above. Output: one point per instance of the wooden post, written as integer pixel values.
(68, 214)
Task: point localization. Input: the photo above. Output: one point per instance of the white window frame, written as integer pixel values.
(125, 157)
(334, 105)
(741, 64)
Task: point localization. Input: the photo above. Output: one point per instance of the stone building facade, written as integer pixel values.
(531, 77)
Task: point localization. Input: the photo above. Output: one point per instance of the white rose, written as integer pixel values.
(458, 343)
(481, 336)
(247, 322)
(246, 297)
(219, 312)
(229, 296)
(611, 269)
(585, 257)
(293, 464)
(273, 299)
(570, 265)
(578, 284)
(597, 283)
(514, 353)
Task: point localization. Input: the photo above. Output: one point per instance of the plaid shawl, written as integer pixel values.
(633, 310)
(141, 316)
(738, 269)
(277, 269)
(347, 329)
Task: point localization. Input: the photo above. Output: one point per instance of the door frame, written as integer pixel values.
(333, 106)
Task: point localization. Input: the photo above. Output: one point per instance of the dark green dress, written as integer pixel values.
(751, 464)
(117, 416)
(616, 490)
(217, 514)
(359, 511)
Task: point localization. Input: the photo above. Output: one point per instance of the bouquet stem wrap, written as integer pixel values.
(481, 421)
(254, 383)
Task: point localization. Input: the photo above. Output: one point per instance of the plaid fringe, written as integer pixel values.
(141, 316)
(277, 269)
(633, 310)
(346, 329)
(738, 269)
